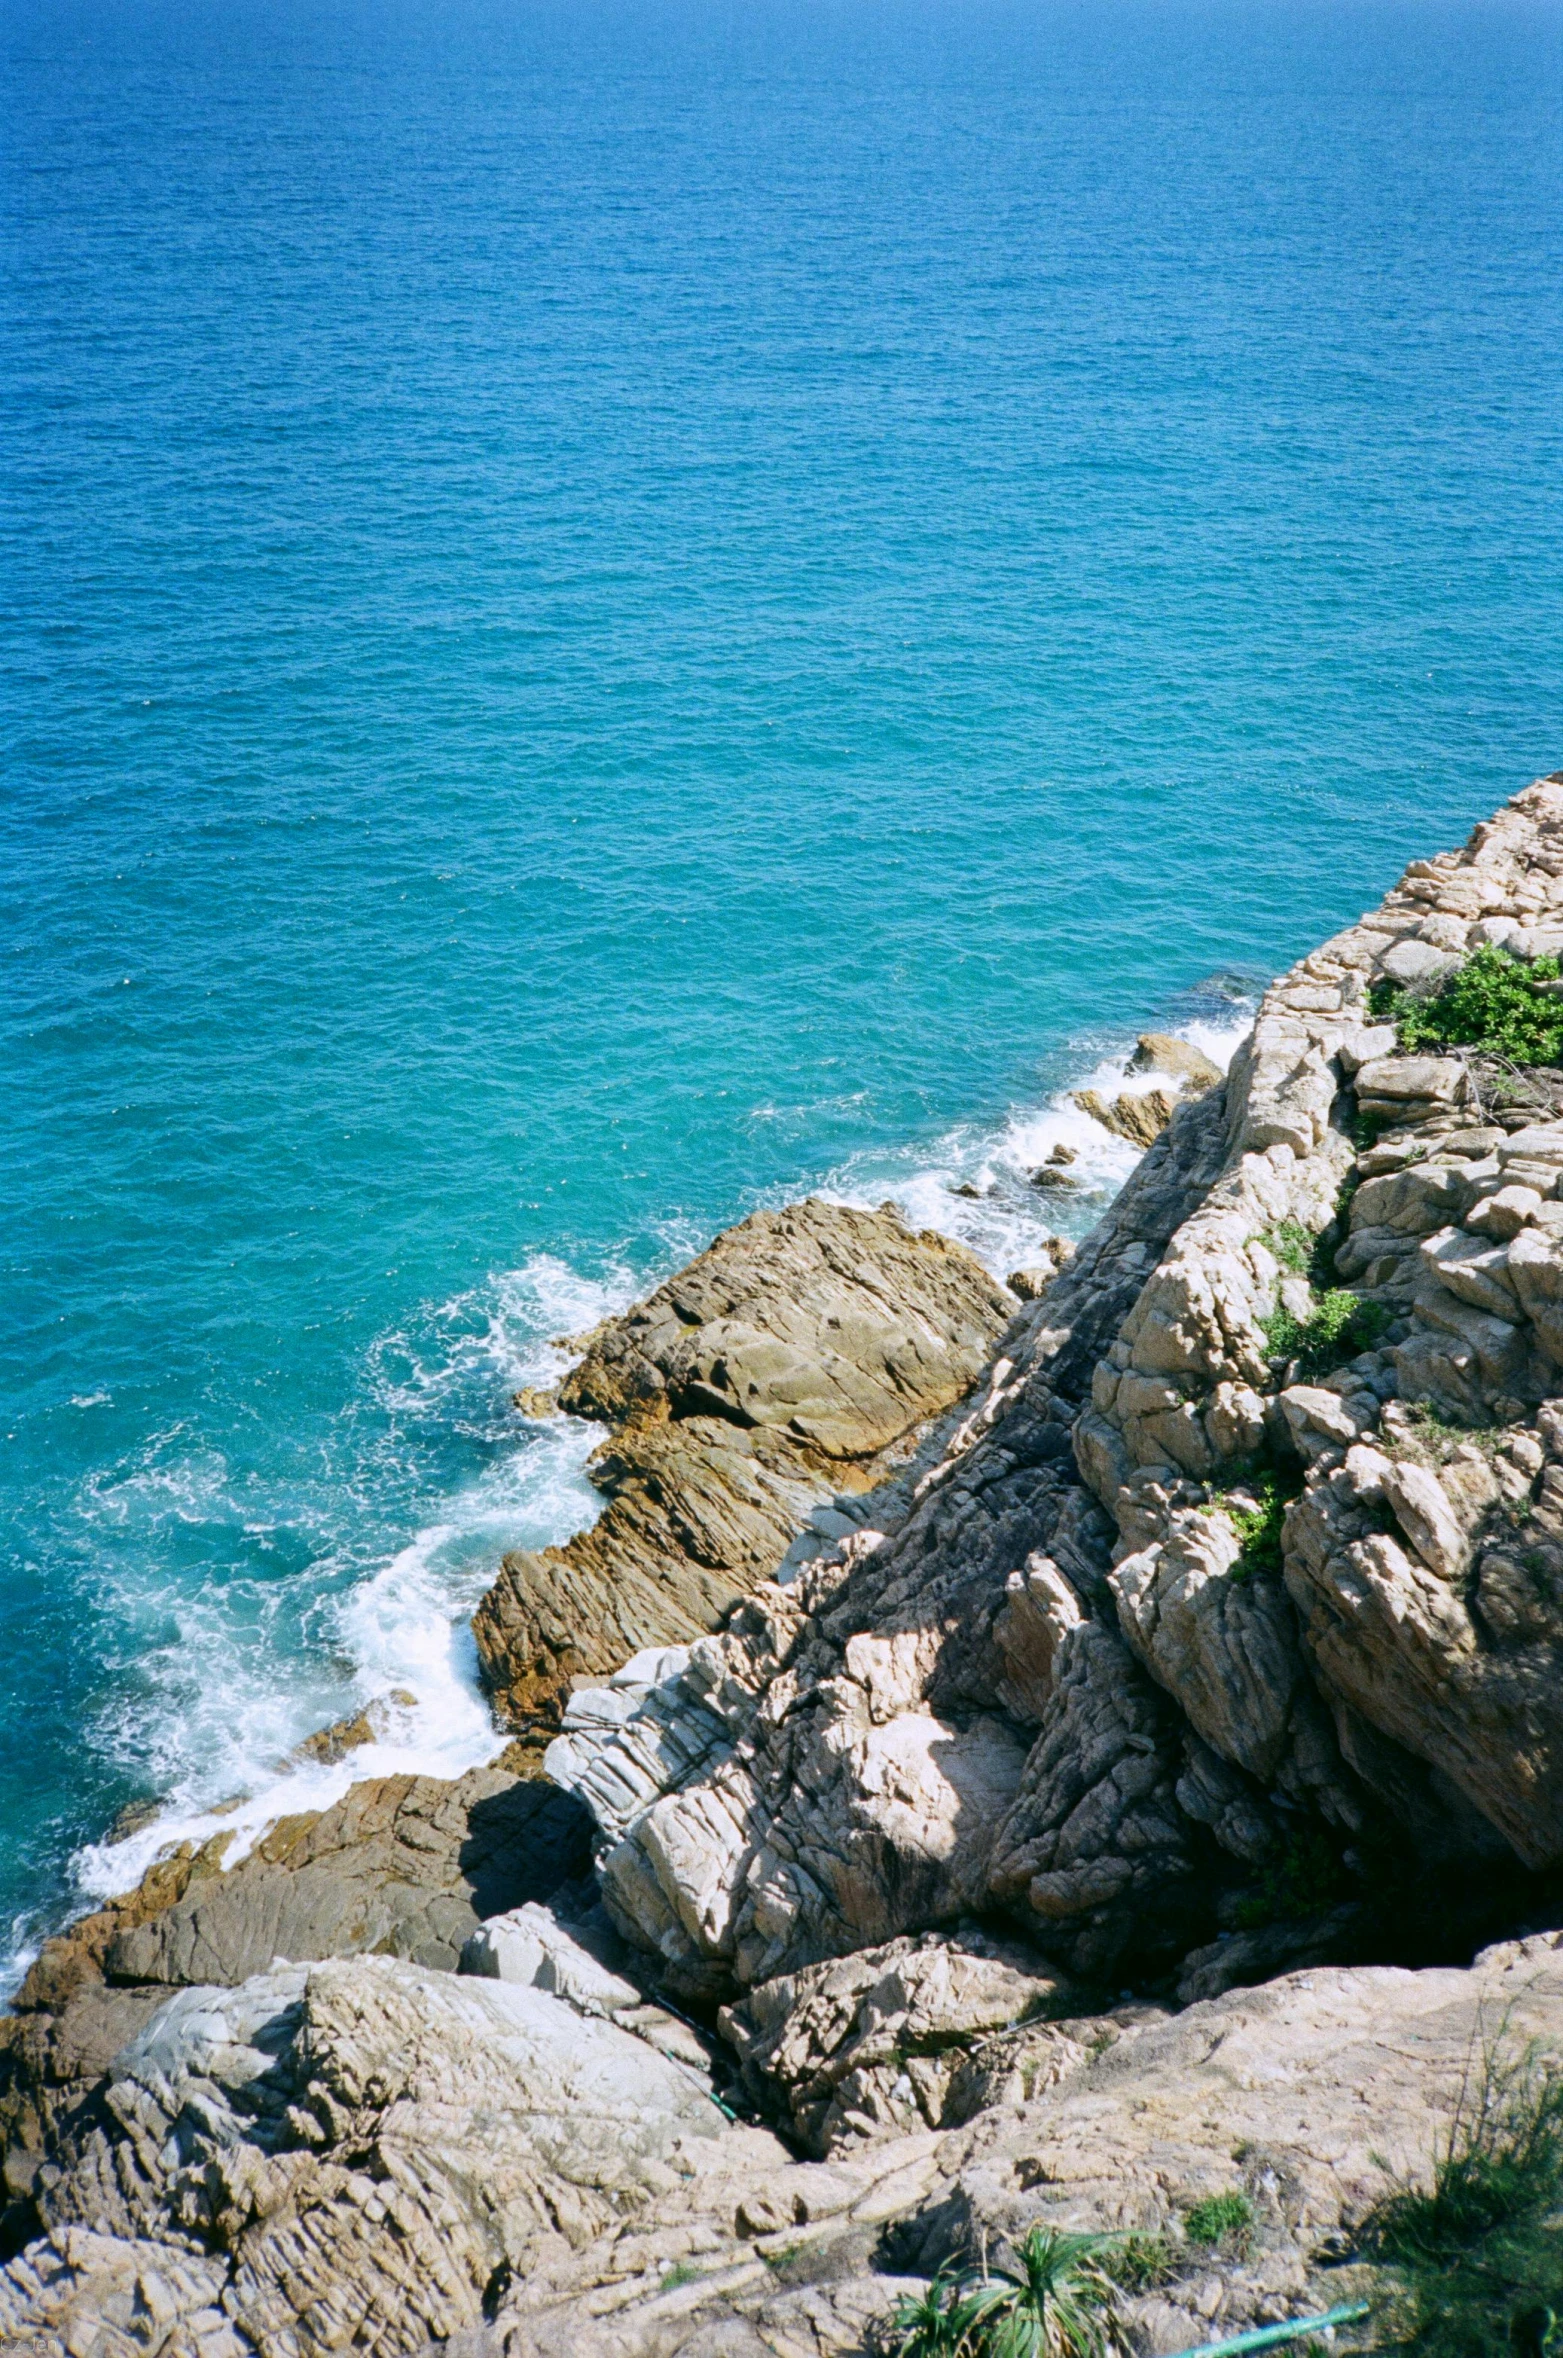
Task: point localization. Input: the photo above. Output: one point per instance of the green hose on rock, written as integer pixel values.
(1270, 2337)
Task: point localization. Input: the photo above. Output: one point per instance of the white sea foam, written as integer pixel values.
(236, 1673)
(238, 1676)
(1007, 1222)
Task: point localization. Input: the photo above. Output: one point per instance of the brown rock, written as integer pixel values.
(1140, 1119)
(790, 1362)
(1163, 1052)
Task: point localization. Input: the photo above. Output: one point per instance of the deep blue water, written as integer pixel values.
(611, 614)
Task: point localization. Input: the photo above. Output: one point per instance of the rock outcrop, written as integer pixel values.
(401, 1866)
(789, 1363)
(369, 2154)
(1217, 1622)
(1090, 1681)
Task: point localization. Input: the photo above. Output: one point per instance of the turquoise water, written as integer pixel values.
(610, 616)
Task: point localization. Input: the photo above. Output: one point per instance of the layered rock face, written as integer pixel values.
(1224, 1606)
(1071, 1685)
(367, 2154)
(787, 1364)
(401, 1866)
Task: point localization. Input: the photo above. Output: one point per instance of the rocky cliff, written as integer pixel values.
(1034, 1740)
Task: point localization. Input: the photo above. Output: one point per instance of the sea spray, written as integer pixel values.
(231, 1692)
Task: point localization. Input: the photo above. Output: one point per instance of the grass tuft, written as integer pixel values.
(1475, 2257)
(1220, 2218)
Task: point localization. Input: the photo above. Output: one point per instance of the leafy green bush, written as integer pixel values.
(1339, 1326)
(1219, 2217)
(1258, 1527)
(1476, 2258)
(1058, 2301)
(1494, 1003)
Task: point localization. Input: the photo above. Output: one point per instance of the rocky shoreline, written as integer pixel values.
(1057, 1753)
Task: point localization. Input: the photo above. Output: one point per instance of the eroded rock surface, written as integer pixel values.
(1067, 1686)
(789, 1362)
(369, 2154)
(405, 1866)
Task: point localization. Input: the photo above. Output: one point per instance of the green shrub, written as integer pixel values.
(1058, 2301)
(1339, 1326)
(1219, 2217)
(1494, 1003)
(1291, 1245)
(1475, 2259)
(1258, 1527)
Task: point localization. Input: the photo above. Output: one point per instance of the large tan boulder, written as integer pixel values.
(790, 1362)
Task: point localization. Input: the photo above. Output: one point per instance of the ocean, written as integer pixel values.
(616, 614)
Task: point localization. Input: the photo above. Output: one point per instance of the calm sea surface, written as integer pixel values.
(611, 615)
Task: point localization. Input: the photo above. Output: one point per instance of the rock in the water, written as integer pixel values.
(791, 1360)
(1140, 1116)
(1164, 1052)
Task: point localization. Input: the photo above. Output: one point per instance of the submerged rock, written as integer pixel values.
(1139, 1116)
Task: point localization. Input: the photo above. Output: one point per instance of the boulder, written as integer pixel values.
(794, 1359)
(873, 2041)
(403, 1865)
(1139, 1116)
(1164, 1052)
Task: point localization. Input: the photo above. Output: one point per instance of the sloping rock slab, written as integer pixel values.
(406, 1866)
(789, 1362)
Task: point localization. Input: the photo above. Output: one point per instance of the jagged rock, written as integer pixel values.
(873, 2041)
(1164, 1052)
(1362, 1685)
(373, 2148)
(790, 1361)
(875, 1719)
(366, 2151)
(405, 1865)
(1140, 1117)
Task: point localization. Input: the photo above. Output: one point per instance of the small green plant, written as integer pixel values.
(1219, 2218)
(1291, 1245)
(682, 2272)
(1258, 1528)
(1307, 1879)
(1140, 2263)
(1475, 2258)
(928, 2324)
(1271, 1487)
(1058, 2301)
(1494, 1003)
(1339, 1325)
